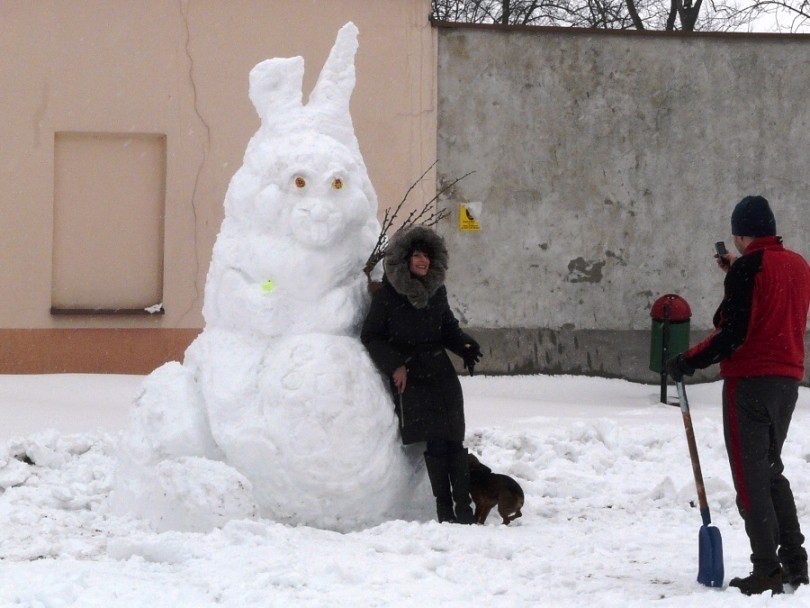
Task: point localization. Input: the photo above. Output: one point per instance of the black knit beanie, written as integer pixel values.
(753, 217)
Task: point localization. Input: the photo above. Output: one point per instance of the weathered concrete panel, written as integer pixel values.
(607, 166)
(588, 352)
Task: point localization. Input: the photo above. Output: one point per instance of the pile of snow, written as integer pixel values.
(609, 517)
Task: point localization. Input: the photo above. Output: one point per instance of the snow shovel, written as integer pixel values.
(710, 544)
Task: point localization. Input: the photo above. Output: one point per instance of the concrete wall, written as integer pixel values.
(89, 82)
(607, 165)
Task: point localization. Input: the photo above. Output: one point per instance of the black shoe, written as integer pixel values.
(795, 574)
(755, 584)
(794, 567)
(444, 512)
(464, 515)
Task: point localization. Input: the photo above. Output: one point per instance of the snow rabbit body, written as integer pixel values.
(277, 398)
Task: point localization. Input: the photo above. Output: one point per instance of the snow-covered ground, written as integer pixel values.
(608, 519)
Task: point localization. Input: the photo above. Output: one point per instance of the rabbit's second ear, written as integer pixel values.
(276, 88)
(336, 82)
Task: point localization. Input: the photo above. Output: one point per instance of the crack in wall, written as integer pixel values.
(39, 114)
(206, 144)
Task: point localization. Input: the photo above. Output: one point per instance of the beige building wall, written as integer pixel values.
(121, 125)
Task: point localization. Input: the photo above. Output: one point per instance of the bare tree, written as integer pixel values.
(783, 15)
(504, 12)
(669, 15)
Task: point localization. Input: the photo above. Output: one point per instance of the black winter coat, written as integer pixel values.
(396, 332)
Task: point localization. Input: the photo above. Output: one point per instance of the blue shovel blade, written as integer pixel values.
(710, 557)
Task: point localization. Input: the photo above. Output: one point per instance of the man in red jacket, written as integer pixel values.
(759, 342)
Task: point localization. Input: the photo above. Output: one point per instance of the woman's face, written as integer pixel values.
(419, 263)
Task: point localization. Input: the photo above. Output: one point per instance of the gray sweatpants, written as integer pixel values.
(756, 417)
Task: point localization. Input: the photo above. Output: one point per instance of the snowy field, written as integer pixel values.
(608, 519)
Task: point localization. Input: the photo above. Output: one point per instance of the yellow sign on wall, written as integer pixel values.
(468, 216)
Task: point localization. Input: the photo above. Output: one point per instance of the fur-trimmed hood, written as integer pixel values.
(397, 253)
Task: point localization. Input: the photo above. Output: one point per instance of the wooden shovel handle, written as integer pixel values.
(693, 453)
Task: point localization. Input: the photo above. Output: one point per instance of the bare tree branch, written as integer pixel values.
(427, 215)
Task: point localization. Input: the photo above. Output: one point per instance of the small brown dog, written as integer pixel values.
(489, 489)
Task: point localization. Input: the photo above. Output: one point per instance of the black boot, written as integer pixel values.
(758, 583)
(794, 566)
(460, 480)
(439, 476)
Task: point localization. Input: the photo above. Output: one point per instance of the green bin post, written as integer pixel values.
(670, 334)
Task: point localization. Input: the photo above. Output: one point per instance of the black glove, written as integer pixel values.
(677, 367)
(471, 355)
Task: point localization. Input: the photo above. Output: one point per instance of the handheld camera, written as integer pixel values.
(720, 248)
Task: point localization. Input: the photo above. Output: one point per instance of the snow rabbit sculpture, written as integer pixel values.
(277, 410)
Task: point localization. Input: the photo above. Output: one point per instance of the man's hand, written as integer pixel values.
(400, 378)
(677, 367)
(725, 261)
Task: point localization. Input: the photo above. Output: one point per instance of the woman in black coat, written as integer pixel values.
(406, 332)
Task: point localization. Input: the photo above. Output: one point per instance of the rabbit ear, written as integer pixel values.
(329, 100)
(275, 87)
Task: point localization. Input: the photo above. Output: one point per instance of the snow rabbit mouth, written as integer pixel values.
(316, 224)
